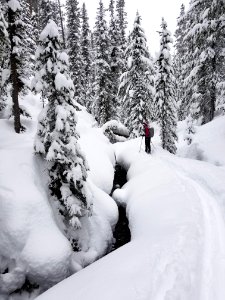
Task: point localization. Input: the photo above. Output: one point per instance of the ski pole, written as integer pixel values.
(152, 144)
(141, 144)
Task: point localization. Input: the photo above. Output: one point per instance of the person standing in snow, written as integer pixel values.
(147, 137)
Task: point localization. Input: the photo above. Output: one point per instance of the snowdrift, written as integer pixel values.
(176, 212)
(208, 142)
(32, 243)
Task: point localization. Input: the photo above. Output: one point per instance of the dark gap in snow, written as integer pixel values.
(27, 287)
(121, 233)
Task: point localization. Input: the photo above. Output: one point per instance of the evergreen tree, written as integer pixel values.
(165, 97)
(179, 61)
(28, 38)
(116, 62)
(4, 50)
(73, 43)
(57, 136)
(122, 22)
(137, 83)
(61, 22)
(102, 108)
(45, 13)
(216, 44)
(85, 44)
(16, 48)
(205, 55)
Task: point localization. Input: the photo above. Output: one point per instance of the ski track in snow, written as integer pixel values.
(213, 239)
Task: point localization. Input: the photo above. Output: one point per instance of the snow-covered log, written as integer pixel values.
(115, 131)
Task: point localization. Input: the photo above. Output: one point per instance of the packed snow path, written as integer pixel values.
(213, 232)
(176, 212)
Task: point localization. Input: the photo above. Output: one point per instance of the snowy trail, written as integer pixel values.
(213, 237)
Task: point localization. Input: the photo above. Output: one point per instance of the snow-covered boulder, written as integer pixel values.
(115, 131)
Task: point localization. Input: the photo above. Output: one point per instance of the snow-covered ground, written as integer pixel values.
(175, 206)
(31, 242)
(176, 210)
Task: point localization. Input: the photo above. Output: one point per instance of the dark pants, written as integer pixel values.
(147, 144)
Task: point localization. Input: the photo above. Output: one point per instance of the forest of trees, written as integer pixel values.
(113, 75)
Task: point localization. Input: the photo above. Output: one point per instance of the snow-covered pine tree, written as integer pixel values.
(179, 61)
(4, 50)
(121, 19)
(165, 95)
(216, 41)
(73, 44)
(91, 91)
(137, 83)
(44, 13)
(61, 17)
(116, 60)
(3, 32)
(15, 30)
(102, 107)
(205, 54)
(85, 46)
(26, 68)
(56, 138)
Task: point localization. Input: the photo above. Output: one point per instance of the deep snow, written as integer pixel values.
(175, 206)
(176, 209)
(32, 242)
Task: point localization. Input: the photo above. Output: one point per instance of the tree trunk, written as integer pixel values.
(14, 73)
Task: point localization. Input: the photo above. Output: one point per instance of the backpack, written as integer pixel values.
(151, 132)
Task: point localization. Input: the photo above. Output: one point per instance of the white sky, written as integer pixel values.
(151, 12)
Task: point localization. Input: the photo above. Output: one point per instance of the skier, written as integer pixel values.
(147, 137)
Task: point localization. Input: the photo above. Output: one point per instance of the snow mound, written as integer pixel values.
(28, 235)
(176, 215)
(115, 131)
(208, 142)
(32, 243)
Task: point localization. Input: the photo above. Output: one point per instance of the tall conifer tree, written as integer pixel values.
(115, 58)
(85, 44)
(16, 48)
(57, 136)
(74, 47)
(102, 108)
(4, 52)
(137, 83)
(165, 95)
(179, 61)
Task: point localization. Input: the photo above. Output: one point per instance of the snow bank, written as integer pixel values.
(31, 243)
(29, 235)
(208, 142)
(98, 150)
(176, 215)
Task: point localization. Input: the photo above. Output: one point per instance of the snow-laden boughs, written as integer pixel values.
(74, 47)
(57, 136)
(137, 83)
(179, 61)
(121, 20)
(165, 95)
(85, 48)
(190, 129)
(116, 61)
(102, 106)
(29, 41)
(204, 57)
(45, 13)
(4, 52)
(16, 30)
